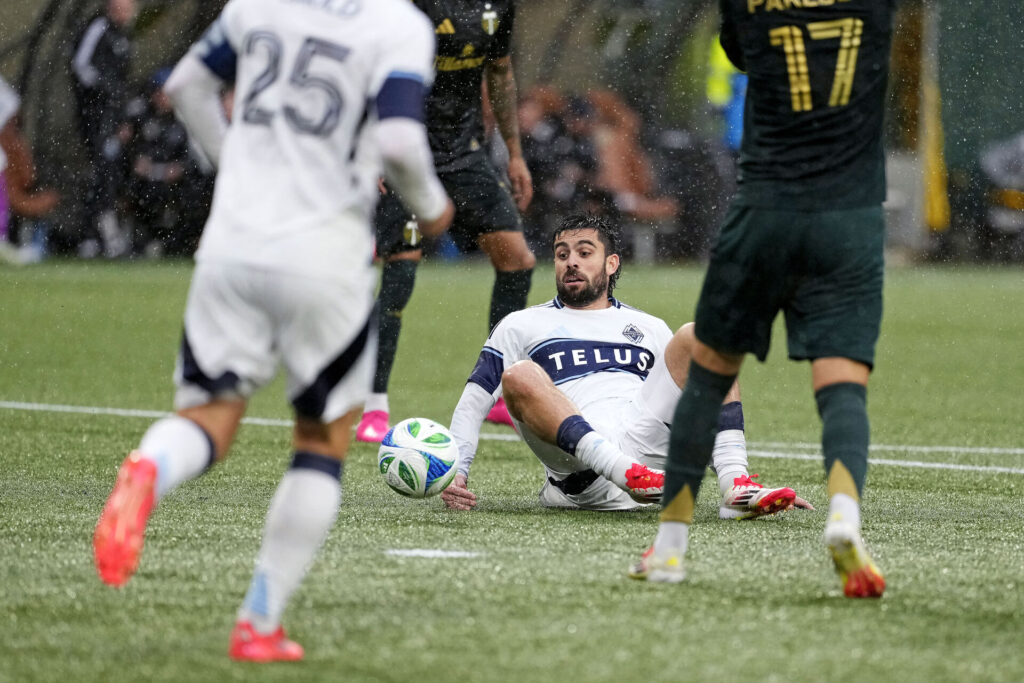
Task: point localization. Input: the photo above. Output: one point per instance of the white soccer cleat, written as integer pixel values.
(857, 571)
(747, 499)
(668, 568)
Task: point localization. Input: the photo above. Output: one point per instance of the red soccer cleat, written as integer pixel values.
(644, 484)
(857, 572)
(247, 645)
(121, 529)
(372, 427)
(499, 414)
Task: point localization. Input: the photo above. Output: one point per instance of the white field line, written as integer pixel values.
(431, 553)
(754, 451)
(990, 469)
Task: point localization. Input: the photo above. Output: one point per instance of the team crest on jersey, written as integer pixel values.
(490, 20)
(633, 333)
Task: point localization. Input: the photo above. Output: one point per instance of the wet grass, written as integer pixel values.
(546, 598)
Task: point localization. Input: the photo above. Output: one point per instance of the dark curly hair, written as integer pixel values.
(608, 233)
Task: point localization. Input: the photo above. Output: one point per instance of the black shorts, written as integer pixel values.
(824, 269)
(483, 203)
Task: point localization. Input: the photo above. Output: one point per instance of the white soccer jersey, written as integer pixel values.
(596, 357)
(9, 104)
(609, 362)
(297, 178)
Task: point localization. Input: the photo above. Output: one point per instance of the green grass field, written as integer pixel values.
(545, 598)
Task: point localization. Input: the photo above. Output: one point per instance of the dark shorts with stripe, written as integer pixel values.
(483, 203)
(823, 269)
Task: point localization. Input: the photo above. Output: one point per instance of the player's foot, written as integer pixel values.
(121, 530)
(372, 427)
(666, 568)
(499, 414)
(857, 571)
(748, 499)
(247, 645)
(644, 484)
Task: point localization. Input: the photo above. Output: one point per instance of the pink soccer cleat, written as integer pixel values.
(121, 530)
(247, 645)
(499, 414)
(372, 427)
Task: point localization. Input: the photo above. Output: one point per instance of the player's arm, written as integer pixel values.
(503, 96)
(729, 37)
(404, 72)
(479, 395)
(195, 89)
(21, 175)
(504, 100)
(408, 163)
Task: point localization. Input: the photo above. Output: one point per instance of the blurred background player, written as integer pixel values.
(100, 68)
(805, 235)
(18, 191)
(283, 272)
(591, 384)
(473, 44)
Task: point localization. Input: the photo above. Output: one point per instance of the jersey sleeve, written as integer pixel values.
(218, 48)
(407, 55)
(501, 350)
(501, 46)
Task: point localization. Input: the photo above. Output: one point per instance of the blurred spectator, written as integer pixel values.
(162, 177)
(100, 70)
(17, 181)
(1003, 166)
(625, 170)
(558, 145)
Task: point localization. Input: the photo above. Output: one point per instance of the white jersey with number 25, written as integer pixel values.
(298, 171)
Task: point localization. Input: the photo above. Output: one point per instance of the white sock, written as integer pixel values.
(843, 508)
(181, 450)
(376, 402)
(301, 514)
(729, 457)
(604, 457)
(672, 537)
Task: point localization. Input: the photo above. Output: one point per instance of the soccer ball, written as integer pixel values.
(417, 458)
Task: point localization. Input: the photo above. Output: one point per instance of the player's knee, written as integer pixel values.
(519, 381)
(686, 336)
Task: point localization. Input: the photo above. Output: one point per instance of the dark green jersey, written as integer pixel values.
(812, 129)
(469, 34)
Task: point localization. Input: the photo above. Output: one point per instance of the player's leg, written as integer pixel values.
(740, 297)
(173, 450)
(326, 336)
(834, 320)
(398, 244)
(534, 400)
(742, 497)
(840, 390)
(301, 514)
(225, 354)
(398, 278)
(513, 269)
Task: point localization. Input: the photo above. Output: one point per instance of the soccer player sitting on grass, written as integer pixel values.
(591, 384)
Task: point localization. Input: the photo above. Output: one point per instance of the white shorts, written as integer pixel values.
(640, 428)
(241, 322)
